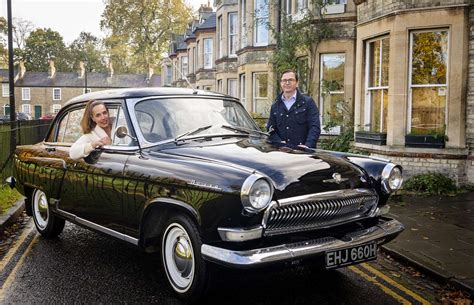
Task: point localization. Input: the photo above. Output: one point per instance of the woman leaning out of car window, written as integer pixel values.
(96, 126)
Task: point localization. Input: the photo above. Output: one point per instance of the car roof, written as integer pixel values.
(143, 92)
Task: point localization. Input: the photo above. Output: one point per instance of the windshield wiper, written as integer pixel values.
(246, 130)
(191, 132)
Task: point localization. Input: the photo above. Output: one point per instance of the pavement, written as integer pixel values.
(438, 237)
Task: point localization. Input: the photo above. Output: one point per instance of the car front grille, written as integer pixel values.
(318, 211)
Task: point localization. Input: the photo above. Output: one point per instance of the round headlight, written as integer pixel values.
(392, 178)
(256, 193)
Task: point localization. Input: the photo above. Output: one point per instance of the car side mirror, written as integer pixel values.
(121, 132)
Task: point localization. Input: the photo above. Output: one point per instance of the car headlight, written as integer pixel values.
(392, 178)
(256, 193)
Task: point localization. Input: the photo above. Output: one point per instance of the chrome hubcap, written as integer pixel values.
(41, 210)
(178, 257)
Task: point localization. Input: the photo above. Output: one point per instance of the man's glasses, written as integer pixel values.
(287, 81)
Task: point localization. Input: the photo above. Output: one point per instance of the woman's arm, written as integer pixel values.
(81, 148)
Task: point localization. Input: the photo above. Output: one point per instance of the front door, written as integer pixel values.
(38, 112)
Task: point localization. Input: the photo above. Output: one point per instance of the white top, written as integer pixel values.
(82, 147)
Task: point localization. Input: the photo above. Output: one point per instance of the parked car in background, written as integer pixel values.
(47, 117)
(20, 116)
(190, 175)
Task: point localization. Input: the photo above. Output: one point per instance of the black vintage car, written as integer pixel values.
(190, 175)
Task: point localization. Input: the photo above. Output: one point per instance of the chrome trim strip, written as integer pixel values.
(339, 194)
(97, 227)
(381, 233)
(240, 234)
(43, 160)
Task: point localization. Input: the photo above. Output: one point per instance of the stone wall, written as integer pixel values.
(470, 101)
(375, 8)
(452, 168)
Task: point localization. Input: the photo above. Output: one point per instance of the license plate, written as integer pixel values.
(351, 255)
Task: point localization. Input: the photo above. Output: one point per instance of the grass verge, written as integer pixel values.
(8, 197)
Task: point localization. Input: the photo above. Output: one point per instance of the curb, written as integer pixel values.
(12, 214)
(438, 276)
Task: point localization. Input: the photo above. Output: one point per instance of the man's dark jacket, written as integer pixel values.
(299, 125)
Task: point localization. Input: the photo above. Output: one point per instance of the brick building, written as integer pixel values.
(405, 68)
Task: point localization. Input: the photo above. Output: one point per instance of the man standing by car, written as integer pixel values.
(294, 117)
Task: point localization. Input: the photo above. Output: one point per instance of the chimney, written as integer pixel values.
(52, 69)
(82, 69)
(111, 69)
(22, 70)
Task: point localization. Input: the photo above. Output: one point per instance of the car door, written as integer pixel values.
(92, 186)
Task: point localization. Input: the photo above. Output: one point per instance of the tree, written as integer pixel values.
(3, 44)
(297, 43)
(21, 30)
(87, 48)
(44, 44)
(140, 31)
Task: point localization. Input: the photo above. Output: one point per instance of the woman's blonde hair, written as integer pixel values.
(87, 124)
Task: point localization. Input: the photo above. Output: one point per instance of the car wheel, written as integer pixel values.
(187, 273)
(46, 222)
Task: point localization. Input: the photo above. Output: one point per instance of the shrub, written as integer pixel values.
(431, 183)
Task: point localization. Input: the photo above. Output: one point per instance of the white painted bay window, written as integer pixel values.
(428, 82)
(232, 87)
(208, 53)
(261, 105)
(331, 90)
(242, 89)
(232, 39)
(261, 22)
(243, 23)
(376, 84)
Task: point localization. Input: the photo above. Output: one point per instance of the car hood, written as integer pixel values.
(293, 172)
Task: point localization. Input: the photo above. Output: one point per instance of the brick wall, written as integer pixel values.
(374, 8)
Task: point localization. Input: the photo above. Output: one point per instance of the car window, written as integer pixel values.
(70, 126)
(119, 120)
(163, 119)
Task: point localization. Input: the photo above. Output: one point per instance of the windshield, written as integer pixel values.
(164, 119)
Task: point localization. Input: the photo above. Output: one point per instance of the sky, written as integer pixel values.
(68, 17)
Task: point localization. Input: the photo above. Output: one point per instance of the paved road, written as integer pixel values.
(84, 267)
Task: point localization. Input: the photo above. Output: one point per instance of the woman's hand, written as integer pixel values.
(101, 142)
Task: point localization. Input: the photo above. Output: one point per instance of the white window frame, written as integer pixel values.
(184, 66)
(219, 86)
(26, 108)
(254, 91)
(208, 53)
(261, 20)
(25, 94)
(242, 90)
(5, 89)
(288, 7)
(336, 130)
(220, 36)
(243, 23)
(410, 70)
(169, 75)
(55, 108)
(55, 96)
(232, 36)
(367, 89)
(232, 87)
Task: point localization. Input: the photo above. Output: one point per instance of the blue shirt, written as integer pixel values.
(289, 102)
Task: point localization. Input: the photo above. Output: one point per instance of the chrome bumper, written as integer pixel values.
(382, 232)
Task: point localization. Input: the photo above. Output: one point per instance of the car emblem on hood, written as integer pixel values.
(336, 178)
